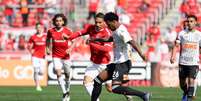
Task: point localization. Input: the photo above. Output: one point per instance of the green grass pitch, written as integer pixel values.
(78, 93)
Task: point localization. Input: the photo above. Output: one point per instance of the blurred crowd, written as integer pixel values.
(22, 13)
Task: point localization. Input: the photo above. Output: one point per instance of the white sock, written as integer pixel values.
(36, 79)
(62, 84)
(89, 88)
(195, 88)
(68, 86)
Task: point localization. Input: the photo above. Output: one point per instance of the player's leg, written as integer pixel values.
(58, 68)
(68, 76)
(192, 74)
(103, 76)
(183, 79)
(36, 65)
(195, 88)
(108, 86)
(90, 73)
(119, 77)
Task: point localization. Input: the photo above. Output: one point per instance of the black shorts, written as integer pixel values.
(188, 71)
(119, 71)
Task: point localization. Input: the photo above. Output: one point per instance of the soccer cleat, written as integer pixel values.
(38, 89)
(184, 98)
(66, 97)
(129, 98)
(146, 97)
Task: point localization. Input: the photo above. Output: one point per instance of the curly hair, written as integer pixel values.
(59, 15)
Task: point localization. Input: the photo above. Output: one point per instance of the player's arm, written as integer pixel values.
(76, 34)
(110, 39)
(30, 45)
(137, 48)
(174, 51)
(105, 48)
(48, 43)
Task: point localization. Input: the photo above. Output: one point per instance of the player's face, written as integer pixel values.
(39, 28)
(191, 23)
(100, 23)
(111, 25)
(59, 22)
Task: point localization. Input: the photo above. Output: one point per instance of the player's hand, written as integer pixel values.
(48, 51)
(172, 60)
(144, 58)
(68, 51)
(88, 41)
(65, 37)
(32, 51)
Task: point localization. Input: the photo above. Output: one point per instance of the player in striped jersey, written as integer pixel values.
(189, 41)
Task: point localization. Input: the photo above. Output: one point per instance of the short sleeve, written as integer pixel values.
(178, 39)
(30, 40)
(125, 35)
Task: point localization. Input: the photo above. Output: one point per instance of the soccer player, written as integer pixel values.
(100, 51)
(118, 71)
(188, 41)
(36, 47)
(60, 52)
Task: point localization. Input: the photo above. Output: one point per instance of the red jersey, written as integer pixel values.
(39, 44)
(59, 45)
(100, 51)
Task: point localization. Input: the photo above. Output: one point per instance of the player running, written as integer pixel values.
(118, 71)
(36, 47)
(100, 52)
(188, 41)
(60, 52)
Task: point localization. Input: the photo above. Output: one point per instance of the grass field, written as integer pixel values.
(78, 93)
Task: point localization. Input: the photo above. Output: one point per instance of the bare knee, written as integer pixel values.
(58, 72)
(109, 87)
(87, 80)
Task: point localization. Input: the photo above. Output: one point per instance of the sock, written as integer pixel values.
(68, 86)
(36, 79)
(184, 88)
(127, 91)
(89, 87)
(97, 89)
(62, 84)
(190, 93)
(195, 89)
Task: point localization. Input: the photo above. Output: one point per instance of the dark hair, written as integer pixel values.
(100, 15)
(192, 16)
(59, 15)
(38, 23)
(111, 17)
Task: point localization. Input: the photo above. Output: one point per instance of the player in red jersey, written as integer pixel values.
(36, 47)
(60, 52)
(100, 51)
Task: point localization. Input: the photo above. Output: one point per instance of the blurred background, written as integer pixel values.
(154, 24)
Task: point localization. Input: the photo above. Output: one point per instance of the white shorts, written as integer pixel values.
(61, 63)
(38, 64)
(94, 69)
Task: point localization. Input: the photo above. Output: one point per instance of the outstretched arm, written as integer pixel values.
(110, 39)
(105, 48)
(137, 48)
